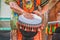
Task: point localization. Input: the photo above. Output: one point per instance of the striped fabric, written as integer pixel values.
(50, 29)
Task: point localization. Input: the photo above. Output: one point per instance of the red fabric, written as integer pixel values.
(38, 2)
(56, 25)
(19, 35)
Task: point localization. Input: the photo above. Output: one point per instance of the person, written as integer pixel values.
(40, 11)
(56, 35)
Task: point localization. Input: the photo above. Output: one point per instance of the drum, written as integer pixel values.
(29, 27)
(30, 24)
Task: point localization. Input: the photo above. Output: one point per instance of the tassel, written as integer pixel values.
(25, 29)
(20, 27)
(50, 29)
(47, 30)
(32, 29)
(53, 28)
(56, 25)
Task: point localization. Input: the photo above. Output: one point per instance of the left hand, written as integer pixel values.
(42, 27)
(37, 13)
(14, 6)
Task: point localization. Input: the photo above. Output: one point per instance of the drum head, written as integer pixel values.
(37, 20)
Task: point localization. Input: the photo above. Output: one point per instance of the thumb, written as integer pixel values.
(36, 12)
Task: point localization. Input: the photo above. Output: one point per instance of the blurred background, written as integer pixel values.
(5, 13)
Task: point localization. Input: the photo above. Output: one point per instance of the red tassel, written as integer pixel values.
(56, 25)
(50, 29)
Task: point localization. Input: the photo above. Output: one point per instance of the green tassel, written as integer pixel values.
(53, 29)
(48, 28)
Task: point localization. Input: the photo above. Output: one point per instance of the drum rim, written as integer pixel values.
(29, 24)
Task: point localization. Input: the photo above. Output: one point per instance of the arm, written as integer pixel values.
(48, 7)
(14, 6)
(44, 12)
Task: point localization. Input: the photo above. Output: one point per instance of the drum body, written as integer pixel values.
(29, 27)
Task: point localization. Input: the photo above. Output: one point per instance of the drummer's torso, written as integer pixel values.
(29, 5)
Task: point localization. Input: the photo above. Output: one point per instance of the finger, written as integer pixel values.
(18, 12)
(42, 26)
(13, 4)
(35, 12)
(39, 8)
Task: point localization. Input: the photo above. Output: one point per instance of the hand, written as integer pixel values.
(14, 6)
(42, 27)
(37, 13)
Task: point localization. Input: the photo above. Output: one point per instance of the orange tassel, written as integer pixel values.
(19, 35)
(46, 30)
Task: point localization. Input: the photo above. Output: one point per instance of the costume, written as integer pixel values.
(27, 26)
(29, 7)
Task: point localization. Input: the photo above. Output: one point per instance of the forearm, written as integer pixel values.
(21, 11)
(14, 6)
(49, 6)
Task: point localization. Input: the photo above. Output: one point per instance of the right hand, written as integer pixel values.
(37, 13)
(14, 6)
